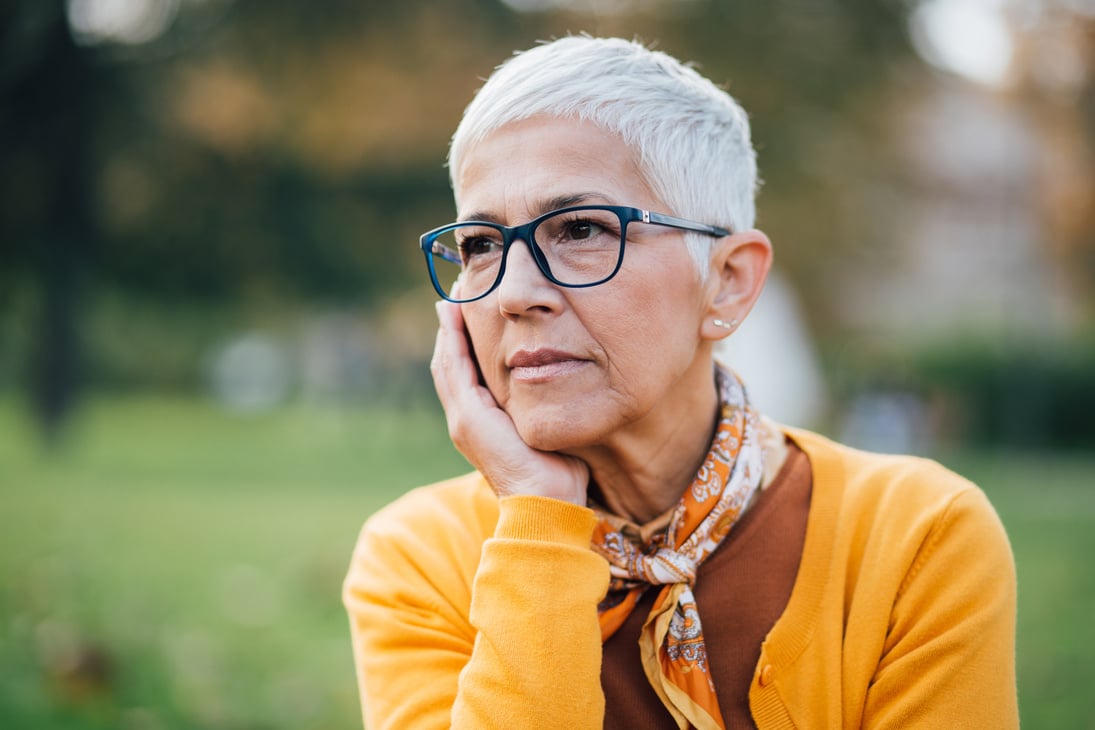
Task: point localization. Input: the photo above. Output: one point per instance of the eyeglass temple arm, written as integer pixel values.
(668, 220)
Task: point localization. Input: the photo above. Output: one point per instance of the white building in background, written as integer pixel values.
(962, 246)
(995, 171)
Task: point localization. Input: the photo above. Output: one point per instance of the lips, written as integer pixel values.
(537, 358)
(536, 366)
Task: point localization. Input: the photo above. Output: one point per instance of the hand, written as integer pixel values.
(485, 434)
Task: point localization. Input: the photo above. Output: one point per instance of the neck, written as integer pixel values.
(643, 470)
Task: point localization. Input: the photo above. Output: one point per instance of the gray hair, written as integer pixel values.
(690, 138)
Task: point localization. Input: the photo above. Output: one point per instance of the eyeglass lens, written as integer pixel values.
(580, 247)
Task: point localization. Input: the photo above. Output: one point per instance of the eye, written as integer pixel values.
(477, 246)
(581, 230)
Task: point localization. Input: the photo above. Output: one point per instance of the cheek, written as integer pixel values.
(476, 321)
(649, 310)
(655, 330)
(484, 338)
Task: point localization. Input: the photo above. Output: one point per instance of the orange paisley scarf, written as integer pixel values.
(671, 645)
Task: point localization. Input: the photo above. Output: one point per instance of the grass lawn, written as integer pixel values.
(173, 566)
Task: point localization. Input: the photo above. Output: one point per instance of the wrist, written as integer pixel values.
(526, 517)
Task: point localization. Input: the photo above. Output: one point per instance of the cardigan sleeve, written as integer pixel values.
(521, 648)
(949, 655)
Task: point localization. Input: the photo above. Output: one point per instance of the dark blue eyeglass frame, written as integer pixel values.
(527, 231)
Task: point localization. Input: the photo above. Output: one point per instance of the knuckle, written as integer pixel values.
(456, 430)
(439, 362)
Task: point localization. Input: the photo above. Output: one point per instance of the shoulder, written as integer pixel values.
(882, 481)
(903, 502)
(464, 504)
(431, 535)
(899, 552)
(451, 517)
(883, 526)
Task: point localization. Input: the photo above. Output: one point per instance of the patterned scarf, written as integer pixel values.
(671, 643)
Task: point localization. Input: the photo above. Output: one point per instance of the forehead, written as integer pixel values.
(525, 168)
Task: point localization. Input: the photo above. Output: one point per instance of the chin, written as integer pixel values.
(544, 438)
(552, 433)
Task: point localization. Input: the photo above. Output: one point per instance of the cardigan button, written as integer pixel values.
(766, 675)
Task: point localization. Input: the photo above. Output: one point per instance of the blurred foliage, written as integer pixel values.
(1021, 397)
(267, 165)
(1026, 395)
(251, 160)
(174, 567)
(275, 151)
(177, 567)
(263, 155)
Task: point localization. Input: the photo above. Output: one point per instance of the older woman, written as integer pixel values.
(637, 546)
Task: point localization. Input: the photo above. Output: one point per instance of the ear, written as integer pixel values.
(739, 268)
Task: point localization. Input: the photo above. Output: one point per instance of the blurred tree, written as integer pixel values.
(218, 153)
(274, 152)
(261, 154)
(1056, 84)
(51, 93)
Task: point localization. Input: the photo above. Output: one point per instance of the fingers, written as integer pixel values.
(469, 407)
(453, 366)
(483, 432)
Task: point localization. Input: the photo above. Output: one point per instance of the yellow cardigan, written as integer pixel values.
(471, 612)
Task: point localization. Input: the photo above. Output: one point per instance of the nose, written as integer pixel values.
(524, 287)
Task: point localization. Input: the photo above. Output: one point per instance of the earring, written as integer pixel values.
(725, 325)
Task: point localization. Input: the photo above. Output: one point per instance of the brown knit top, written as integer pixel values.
(741, 590)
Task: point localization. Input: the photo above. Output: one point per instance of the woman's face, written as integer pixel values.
(575, 368)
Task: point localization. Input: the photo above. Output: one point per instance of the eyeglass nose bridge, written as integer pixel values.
(526, 235)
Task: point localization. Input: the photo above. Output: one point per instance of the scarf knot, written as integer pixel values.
(671, 644)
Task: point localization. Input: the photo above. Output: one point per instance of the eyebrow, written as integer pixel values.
(545, 206)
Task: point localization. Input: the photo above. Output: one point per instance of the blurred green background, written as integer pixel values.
(215, 320)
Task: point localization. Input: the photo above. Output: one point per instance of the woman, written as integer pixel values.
(638, 547)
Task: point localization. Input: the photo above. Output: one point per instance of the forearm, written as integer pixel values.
(537, 656)
(517, 646)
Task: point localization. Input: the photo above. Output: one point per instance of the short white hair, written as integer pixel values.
(690, 138)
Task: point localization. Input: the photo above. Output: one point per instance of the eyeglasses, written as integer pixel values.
(575, 247)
